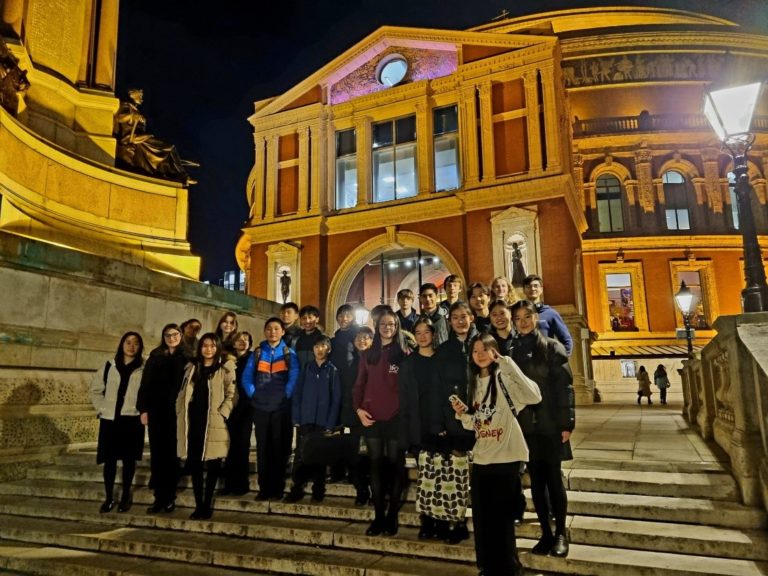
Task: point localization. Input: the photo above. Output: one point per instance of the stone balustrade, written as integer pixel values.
(726, 398)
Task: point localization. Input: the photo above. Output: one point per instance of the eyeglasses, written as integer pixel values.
(172, 335)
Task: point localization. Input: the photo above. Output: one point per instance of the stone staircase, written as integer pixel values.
(633, 518)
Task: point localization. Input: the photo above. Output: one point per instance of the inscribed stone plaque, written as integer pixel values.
(55, 32)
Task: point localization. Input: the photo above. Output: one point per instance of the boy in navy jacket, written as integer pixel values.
(316, 403)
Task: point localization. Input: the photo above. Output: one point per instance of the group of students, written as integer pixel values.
(488, 377)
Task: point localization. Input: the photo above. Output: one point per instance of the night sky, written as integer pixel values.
(203, 64)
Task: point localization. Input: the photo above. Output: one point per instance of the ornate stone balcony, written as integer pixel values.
(645, 122)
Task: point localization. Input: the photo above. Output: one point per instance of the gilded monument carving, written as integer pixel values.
(142, 152)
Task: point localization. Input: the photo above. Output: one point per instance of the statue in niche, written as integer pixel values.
(142, 152)
(518, 269)
(13, 80)
(285, 285)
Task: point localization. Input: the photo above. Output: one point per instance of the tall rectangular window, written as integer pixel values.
(446, 144)
(621, 301)
(676, 199)
(394, 159)
(346, 169)
(609, 208)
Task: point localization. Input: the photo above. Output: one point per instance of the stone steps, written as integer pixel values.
(298, 523)
(652, 531)
(678, 484)
(607, 503)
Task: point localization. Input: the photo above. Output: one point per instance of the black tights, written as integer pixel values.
(387, 461)
(204, 486)
(110, 473)
(546, 478)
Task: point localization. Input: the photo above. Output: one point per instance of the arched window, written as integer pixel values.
(610, 213)
(676, 198)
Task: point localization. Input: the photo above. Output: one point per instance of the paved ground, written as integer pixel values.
(644, 435)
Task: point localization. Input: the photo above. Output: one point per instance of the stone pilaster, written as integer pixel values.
(364, 135)
(468, 129)
(532, 104)
(304, 162)
(270, 204)
(425, 156)
(486, 130)
(713, 189)
(645, 188)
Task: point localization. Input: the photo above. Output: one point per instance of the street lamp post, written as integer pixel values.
(686, 303)
(729, 111)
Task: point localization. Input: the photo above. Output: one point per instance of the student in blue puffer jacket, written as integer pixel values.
(269, 380)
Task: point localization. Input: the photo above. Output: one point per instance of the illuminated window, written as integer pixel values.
(346, 169)
(609, 205)
(392, 70)
(622, 287)
(692, 279)
(446, 134)
(394, 159)
(628, 369)
(621, 302)
(676, 199)
(699, 277)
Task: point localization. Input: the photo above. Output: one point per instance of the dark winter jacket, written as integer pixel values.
(317, 397)
(551, 325)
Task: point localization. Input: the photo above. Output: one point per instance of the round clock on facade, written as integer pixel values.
(391, 70)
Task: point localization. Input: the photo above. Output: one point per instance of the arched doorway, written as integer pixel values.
(379, 268)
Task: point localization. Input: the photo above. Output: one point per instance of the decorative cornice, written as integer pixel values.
(607, 245)
(433, 207)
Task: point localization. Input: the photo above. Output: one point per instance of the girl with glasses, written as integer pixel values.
(376, 400)
(156, 403)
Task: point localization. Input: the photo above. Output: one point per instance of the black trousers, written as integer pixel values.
(495, 490)
(548, 491)
(163, 462)
(274, 433)
(303, 472)
(237, 466)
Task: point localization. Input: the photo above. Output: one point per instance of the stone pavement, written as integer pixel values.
(628, 436)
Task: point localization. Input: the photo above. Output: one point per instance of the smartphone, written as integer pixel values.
(456, 400)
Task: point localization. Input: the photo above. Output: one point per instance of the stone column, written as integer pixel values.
(304, 161)
(257, 205)
(712, 188)
(425, 156)
(530, 81)
(106, 47)
(468, 130)
(578, 180)
(271, 177)
(553, 128)
(644, 173)
(364, 142)
(486, 129)
(318, 199)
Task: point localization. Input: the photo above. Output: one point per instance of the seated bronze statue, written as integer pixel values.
(142, 152)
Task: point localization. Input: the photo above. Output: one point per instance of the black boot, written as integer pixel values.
(391, 524)
(427, 527)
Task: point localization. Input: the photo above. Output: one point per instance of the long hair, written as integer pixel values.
(660, 371)
(400, 347)
(217, 359)
(218, 331)
(489, 342)
(163, 346)
(139, 353)
(540, 351)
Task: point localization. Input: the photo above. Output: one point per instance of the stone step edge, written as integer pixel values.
(583, 560)
(212, 550)
(687, 544)
(747, 517)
